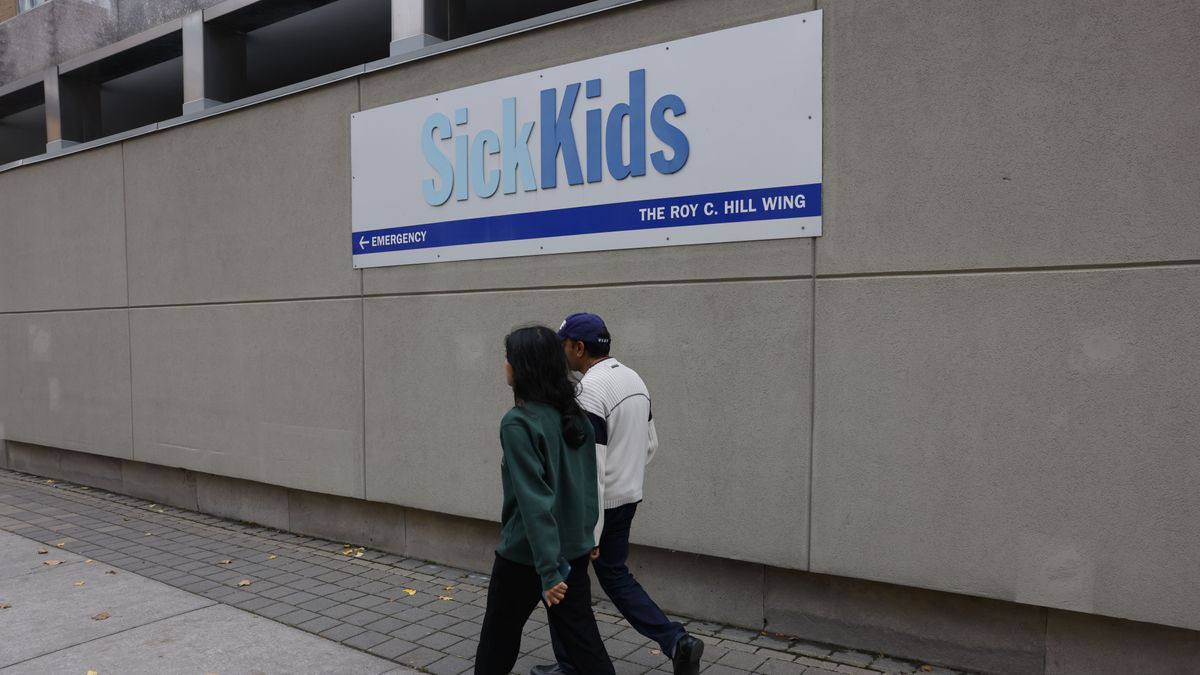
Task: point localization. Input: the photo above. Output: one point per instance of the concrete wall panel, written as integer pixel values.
(268, 392)
(252, 205)
(1079, 644)
(65, 380)
(435, 395)
(976, 633)
(757, 259)
(1020, 133)
(62, 234)
(1028, 437)
(243, 500)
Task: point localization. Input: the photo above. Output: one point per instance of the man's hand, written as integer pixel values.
(594, 554)
(556, 594)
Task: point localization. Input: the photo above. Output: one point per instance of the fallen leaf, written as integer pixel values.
(111, 572)
(85, 488)
(153, 505)
(92, 672)
(52, 563)
(149, 535)
(49, 482)
(272, 557)
(224, 562)
(447, 588)
(88, 562)
(100, 617)
(61, 544)
(78, 584)
(410, 591)
(358, 554)
(5, 605)
(42, 551)
(655, 652)
(444, 597)
(244, 582)
(926, 669)
(347, 552)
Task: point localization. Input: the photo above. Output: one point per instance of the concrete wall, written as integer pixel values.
(981, 381)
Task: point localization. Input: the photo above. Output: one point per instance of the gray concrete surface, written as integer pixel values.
(64, 248)
(419, 443)
(1027, 134)
(152, 627)
(1027, 437)
(269, 392)
(205, 222)
(66, 380)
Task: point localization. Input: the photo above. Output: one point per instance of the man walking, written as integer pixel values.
(618, 404)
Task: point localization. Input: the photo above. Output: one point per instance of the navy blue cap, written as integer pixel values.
(584, 327)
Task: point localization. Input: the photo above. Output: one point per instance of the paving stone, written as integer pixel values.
(778, 667)
(363, 617)
(809, 649)
(439, 641)
(465, 629)
(366, 640)
(275, 611)
(449, 665)
(420, 657)
(439, 621)
(852, 658)
(368, 601)
(298, 598)
(340, 611)
(318, 604)
(465, 649)
(342, 632)
(297, 617)
(894, 667)
(411, 632)
(319, 624)
(718, 669)
(393, 648)
(741, 660)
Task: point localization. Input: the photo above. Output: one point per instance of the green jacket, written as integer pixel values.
(550, 496)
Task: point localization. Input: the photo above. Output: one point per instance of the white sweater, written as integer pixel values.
(618, 404)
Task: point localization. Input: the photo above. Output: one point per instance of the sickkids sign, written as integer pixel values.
(713, 138)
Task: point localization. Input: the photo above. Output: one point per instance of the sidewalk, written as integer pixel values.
(198, 594)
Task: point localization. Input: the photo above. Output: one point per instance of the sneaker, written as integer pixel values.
(686, 659)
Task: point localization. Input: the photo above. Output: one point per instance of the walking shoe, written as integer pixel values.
(686, 658)
(552, 669)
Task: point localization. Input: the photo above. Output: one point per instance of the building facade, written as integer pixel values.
(959, 426)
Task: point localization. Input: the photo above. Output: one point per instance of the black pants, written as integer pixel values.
(625, 592)
(513, 592)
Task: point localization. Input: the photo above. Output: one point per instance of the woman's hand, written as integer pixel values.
(556, 594)
(595, 553)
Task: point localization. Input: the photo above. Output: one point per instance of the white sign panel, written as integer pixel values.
(711, 138)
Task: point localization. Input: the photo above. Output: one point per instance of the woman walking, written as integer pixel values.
(548, 472)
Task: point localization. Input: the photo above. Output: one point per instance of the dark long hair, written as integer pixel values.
(540, 374)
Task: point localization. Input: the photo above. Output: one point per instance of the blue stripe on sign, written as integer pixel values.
(792, 201)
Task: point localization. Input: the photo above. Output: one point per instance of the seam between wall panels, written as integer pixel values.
(812, 404)
(128, 299)
(362, 329)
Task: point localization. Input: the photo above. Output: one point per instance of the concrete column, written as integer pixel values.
(72, 110)
(417, 24)
(214, 64)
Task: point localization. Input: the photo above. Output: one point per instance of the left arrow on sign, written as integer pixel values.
(362, 243)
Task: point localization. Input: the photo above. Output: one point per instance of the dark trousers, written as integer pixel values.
(513, 592)
(625, 592)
